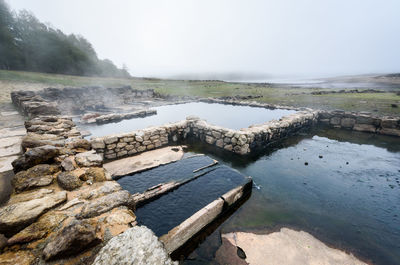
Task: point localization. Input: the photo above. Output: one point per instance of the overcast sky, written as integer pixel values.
(279, 37)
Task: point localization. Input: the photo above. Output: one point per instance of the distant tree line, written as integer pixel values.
(29, 45)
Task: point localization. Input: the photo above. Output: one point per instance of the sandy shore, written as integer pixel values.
(285, 247)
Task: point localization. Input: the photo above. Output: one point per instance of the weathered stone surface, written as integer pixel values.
(3, 242)
(88, 159)
(137, 245)
(35, 156)
(96, 190)
(210, 140)
(10, 146)
(37, 176)
(347, 123)
(21, 214)
(389, 123)
(335, 120)
(33, 140)
(219, 143)
(105, 203)
(69, 163)
(73, 238)
(68, 180)
(46, 224)
(98, 144)
(96, 174)
(18, 257)
(390, 131)
(31, 195)
(78, 144)
(364, 128)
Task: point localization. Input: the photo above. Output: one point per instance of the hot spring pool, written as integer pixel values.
(228, 116)
(348, 195)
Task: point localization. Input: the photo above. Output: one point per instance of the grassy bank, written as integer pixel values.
(380, 103)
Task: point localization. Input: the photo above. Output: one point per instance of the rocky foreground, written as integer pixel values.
(64, 207)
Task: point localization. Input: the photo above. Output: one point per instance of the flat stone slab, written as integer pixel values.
(286, 247)
(10, 132)
(10, 146)
(144, 161)
(5, 163)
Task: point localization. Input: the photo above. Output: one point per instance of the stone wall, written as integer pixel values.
(238, 141)
(127, 144)
(362, 122)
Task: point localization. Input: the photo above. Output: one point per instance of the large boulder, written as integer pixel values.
(75, 237)
(68, 180)
(137, 245)
(35, 156)
(37, 176)
(19, 215)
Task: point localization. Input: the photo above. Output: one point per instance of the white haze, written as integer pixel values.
(275, 37)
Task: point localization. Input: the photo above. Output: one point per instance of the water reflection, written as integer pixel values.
(348, 194)
(228, 116)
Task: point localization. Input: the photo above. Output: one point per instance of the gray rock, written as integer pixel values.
(106, 203)
(69, 164)
(69, 181)
(19, 215)
(89, 159)
(137, 245)
(35, 156)
(37, 176)
(76, 236)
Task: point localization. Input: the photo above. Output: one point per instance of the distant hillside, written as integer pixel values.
(30, 45)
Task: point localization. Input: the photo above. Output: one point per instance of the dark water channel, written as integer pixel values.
(228, 116)
(170, 210)
(348, 195)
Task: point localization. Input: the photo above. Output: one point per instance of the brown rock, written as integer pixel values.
(17, 258)
(75, 237)
(106, 203)
(27, 196)
(69, 163)
(79, 144)
(68, 180)
(37, 176)
(19, 215)
(3, 241)
(35, 156)
(97, 174)
(46, 224)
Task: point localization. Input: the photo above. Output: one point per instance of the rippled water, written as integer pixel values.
(348, 195)
(228, 116)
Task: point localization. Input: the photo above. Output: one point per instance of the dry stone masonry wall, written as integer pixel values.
(362, 122)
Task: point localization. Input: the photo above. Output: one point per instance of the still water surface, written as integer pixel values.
(348, 195)
(228, 116)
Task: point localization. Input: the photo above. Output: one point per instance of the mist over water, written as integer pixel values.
(279, 39)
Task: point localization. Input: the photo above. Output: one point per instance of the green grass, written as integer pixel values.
(380, 103)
